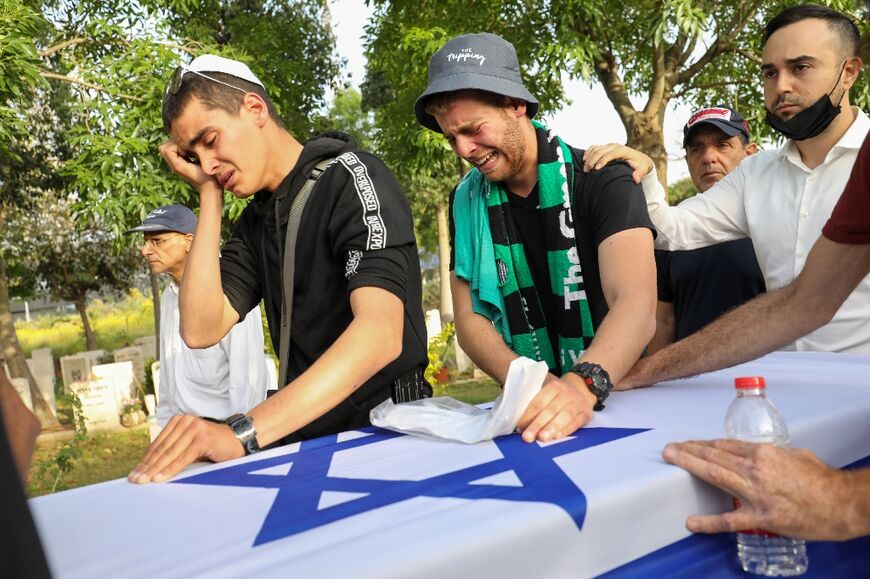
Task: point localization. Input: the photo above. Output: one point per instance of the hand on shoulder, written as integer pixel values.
(597, 156)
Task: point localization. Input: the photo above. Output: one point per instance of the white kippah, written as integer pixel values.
(214, 63)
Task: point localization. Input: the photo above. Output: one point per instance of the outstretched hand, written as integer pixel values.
(597, 156)
(781, 490)
(185, 440)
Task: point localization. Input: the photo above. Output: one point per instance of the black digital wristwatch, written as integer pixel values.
(597, 380)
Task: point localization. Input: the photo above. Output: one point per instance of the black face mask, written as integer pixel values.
(811, 121)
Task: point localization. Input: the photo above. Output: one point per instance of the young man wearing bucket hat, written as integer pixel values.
(696, 287)
(228, 378)
(547, 262)
(353, 322)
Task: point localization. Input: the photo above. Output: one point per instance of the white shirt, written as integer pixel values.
(215, 382)
(782, 205)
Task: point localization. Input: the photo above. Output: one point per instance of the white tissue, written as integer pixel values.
(448, 419)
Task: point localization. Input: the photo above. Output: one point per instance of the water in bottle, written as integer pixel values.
(753, 418)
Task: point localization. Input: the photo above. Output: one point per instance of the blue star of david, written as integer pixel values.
(295, 509)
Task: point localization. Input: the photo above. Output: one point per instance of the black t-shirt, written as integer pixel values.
(605, 202)
(20, 549)
(356, 231)
(705, 283)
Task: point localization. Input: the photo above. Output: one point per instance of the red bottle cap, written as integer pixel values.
(749, 382)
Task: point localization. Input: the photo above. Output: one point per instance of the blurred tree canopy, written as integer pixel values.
(81, 84)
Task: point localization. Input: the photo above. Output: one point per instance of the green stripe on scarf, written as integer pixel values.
(498, 273)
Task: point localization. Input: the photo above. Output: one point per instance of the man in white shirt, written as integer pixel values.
(782, 198)
(216, 382)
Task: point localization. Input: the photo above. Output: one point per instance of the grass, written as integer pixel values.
(106, 455)
(470, 390)
(111, 454)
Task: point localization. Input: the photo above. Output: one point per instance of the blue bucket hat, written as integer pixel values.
(481, 61)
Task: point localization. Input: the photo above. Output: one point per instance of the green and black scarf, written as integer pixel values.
(520, 317)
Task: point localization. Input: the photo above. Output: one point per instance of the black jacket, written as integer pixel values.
(356, 231)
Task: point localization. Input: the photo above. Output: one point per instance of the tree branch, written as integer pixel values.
(723, 42)
(87, 84)
(58, 47)
(657, 86)
(748, 55)
(605, 70)
(182, 47)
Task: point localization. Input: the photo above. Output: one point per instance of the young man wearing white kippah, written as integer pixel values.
(354, 324)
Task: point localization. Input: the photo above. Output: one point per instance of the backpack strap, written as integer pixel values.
(287, 269)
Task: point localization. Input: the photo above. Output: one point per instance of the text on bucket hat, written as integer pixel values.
(481, 61)
(723, 118)
(168, 218)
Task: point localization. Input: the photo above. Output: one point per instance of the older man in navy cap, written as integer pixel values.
(696, 287)
(548, 262)
(228, 378)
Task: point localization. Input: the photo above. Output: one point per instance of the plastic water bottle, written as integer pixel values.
(754, 418)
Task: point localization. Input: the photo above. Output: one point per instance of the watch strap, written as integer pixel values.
(243, 429)
(597, 380)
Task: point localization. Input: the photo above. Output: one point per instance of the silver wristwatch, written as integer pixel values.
(243, 428)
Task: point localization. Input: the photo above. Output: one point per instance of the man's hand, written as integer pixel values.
(561, 407)
(597, 156)
(781, 490)
(185, 440)
(180, 164)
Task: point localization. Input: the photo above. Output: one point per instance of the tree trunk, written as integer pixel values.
(81, 308)
(646, 134)
(155, 298)
(445, 297)
(14, 356)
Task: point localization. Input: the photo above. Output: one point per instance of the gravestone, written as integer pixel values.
(75, 368)
(41, 365)
(148, 346)
(43, 354)
(23, 388)
(134, 355)
(96, 356)
(99, 403)
(119, 377)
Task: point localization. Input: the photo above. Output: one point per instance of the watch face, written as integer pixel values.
(600, 382)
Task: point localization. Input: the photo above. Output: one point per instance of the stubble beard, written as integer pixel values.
(513, 148)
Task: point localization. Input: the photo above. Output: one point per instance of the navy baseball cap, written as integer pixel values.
(168, 218)
(723, 118)
(481, 61)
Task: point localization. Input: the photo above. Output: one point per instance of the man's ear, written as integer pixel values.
(188, 239)
(751, 149)
(517, 107)
(851, 69)
(257, 107)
